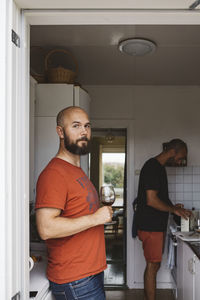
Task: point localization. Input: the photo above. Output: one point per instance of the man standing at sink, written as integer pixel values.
(153, 208)
(69, 217)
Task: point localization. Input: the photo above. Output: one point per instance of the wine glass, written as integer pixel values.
(107, 195)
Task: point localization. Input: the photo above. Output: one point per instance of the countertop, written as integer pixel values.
(38, 280)
(195, 246)
(190, 236)
(192, 240)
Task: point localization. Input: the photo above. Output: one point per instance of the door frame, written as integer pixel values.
(106, 4)
(127, 124)
(71, 14)
(94, 16)
(117, 147)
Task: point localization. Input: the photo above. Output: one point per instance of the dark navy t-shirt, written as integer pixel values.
(152, 177)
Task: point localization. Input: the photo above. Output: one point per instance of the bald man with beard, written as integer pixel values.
(69, 217)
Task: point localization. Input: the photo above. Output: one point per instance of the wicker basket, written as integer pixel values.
(60, 74)
(38, 77)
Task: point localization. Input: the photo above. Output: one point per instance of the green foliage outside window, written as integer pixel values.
(114, 174)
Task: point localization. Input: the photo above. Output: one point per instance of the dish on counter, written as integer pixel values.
(188, 236)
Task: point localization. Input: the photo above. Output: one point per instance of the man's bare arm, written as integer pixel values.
(51, 225)
(154, 201)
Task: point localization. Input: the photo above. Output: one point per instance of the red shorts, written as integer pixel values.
(153, 243)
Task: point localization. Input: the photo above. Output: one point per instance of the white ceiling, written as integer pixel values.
(175, 62)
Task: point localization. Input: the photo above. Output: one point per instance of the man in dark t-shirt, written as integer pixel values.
(153, 208)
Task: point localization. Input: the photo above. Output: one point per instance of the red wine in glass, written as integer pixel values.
(107, 195)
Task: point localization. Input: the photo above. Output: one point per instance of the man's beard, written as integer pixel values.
(171, 161)
(74, 148)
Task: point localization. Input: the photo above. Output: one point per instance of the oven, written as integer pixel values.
(173, 260)
(172, 254)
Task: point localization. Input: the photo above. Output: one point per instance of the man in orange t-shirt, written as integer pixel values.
(68, 215)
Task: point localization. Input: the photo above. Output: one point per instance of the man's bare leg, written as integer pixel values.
(150, 280)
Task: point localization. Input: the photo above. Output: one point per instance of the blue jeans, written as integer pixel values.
(88, 288)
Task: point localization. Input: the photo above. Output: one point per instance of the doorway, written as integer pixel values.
(108, 167)
(22, 83)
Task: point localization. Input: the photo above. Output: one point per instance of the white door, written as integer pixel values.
(14, 159)
(14, 119)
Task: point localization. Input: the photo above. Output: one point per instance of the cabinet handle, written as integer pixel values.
(190, 266)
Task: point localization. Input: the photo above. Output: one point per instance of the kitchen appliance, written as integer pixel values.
(188, 225)
(194, 219)
(172, 256)
(172, 252)
(185, 225)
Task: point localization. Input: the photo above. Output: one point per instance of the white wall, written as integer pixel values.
(160, 113)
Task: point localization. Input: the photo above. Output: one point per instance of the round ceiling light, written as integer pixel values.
(137, 47)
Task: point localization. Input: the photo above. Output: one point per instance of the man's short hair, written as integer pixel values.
(62, 113)
(60, 116)
(176, 144)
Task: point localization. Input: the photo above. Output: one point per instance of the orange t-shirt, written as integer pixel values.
(64, 186)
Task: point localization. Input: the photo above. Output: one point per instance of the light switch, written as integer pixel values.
(137, 172)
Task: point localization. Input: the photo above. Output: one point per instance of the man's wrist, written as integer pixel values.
(172, 209)
(92, 220)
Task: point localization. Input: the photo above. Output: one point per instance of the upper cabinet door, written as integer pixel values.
(46, 143)
(51, 98)
(82, 99)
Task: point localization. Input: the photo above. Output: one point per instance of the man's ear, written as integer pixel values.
(59, 131)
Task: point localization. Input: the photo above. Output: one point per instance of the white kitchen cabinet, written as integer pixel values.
(46, 142)
(50, 99)
(38, 280)
(46, 100)
(188, 273)
(185, 272)
(81, 99)
(197, 278)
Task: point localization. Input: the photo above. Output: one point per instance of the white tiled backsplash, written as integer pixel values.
(184, 185)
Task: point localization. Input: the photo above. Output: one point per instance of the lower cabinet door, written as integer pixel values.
(188, 273)
(197, 279)
(49, 296)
